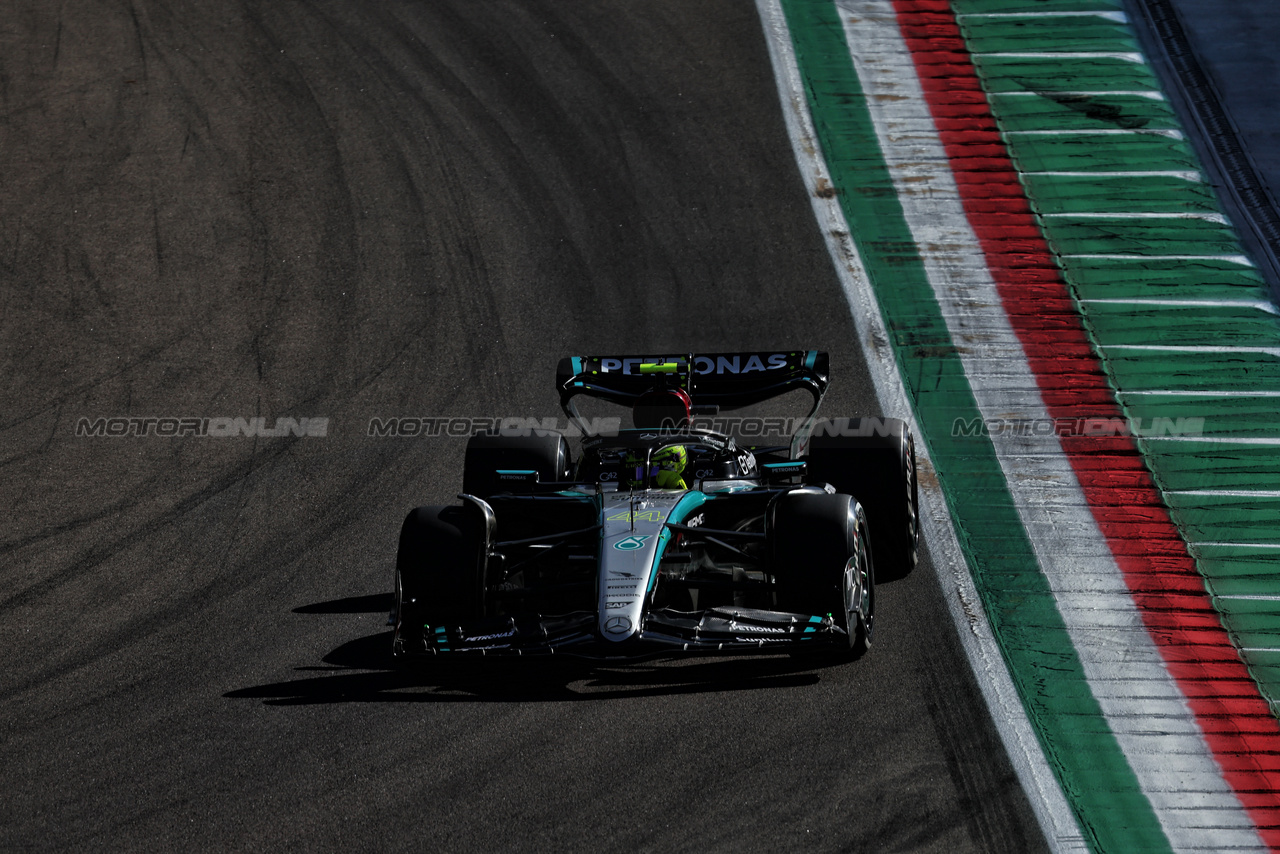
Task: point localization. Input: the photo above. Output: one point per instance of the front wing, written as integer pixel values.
(665, 631)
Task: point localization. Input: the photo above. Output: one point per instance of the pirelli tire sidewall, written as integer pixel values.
(874, 460)
(437, 573)
(813, 536)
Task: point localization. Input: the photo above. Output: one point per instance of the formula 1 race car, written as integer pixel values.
(666, 537)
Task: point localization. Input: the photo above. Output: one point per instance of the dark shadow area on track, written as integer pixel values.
(363, 671)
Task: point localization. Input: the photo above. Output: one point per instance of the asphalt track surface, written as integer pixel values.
(356, 210)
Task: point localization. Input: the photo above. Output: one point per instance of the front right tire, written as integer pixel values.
(822, 563)
(874, 460)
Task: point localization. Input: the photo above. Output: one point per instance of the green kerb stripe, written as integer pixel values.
(1103, 791)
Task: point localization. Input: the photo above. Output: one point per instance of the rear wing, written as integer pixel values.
(713, 381)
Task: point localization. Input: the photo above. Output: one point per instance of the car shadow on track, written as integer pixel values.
(363, 671)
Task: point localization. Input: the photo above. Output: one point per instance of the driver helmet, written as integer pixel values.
(666, 467)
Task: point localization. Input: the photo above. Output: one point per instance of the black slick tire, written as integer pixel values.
(545, 451)
(874, 460)
(823, 564)
(437, 578)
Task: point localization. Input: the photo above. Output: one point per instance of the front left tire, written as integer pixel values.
(438, 573)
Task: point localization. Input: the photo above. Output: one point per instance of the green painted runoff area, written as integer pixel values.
(1164, 152)
(1095, 194)
(1185, 326)
(1064, 111)
(1101, 74)
(1141, 236)
(1093, 33)
(1112, 811)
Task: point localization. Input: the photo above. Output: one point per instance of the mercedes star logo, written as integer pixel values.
(618, 625)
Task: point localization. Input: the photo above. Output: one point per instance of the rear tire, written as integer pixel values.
(823, 564)
(878, 469)
(545, 452)
(437, 573)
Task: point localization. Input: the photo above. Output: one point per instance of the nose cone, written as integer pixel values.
(633, 526)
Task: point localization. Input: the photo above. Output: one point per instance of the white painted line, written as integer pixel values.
(1208, 217)
(1225, 544)
(1262, 442)
(1192, 348)
(1257, 304)
(1118, 17)
(1135, 58)
(1176, 770)
(1179, 392)
(1053, 812)
(1249, 597)
(1227, 493)
(1168, 132)
(1193, 177)
(1242, 260)
(1053, 94)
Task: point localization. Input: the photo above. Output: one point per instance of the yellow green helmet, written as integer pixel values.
(666, 467)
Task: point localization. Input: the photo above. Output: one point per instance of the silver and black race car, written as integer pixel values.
(665, 538)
